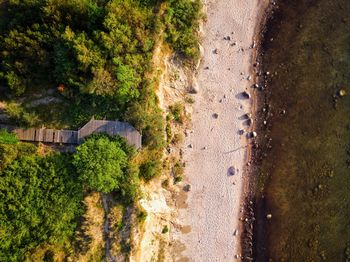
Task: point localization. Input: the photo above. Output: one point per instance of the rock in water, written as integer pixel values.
(252, 134)
(342, 92)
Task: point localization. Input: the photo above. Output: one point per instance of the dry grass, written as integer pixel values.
(92, 230)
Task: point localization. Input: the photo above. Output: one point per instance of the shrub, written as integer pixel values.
(178, 113)
(168, 132)
(177, 179)
(177, 139)
(165, 230)
(7, 138)
(149, 169)
(182, 24)
(141, 216)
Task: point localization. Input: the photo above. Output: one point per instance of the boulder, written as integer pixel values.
(187, 188)
(246, 95)
(194, 87)
(232, 171)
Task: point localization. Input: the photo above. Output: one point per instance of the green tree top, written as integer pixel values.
(100, 163)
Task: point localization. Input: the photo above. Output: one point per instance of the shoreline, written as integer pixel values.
(216, 201)
(253, 152)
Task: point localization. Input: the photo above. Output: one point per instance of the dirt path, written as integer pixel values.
(108, 255)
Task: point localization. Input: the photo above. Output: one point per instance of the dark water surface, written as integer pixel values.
(306, 173)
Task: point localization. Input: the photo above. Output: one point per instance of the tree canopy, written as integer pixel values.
(40, 202)
(100, 163)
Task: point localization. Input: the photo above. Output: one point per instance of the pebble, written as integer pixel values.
(342, 92)
(252, 134)
(187, 188)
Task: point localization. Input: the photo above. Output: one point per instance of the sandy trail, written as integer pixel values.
(213, 210)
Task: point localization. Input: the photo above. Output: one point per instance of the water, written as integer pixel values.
(305, 176)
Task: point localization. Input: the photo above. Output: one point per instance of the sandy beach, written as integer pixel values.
(214, 143)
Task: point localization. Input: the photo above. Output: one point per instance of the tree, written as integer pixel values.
(40, 202)
(100, 163)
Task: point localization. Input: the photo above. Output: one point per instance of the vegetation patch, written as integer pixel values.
(92, 58)
(7, 138)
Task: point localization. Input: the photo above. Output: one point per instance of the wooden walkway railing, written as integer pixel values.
(76, 137)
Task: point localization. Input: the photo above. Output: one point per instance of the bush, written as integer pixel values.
(141, 216)
(177, 139)
(7, 138)
(178, 113)
(177, 179)
(20, 116)
(182, 22)
(149, 169)
(169, 133)
(165, 230)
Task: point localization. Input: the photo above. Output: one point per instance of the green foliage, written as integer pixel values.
(169, 133)
(149, 169)
(99, 51)
(177, 112)
(7, 138)
(165, 230)
(189, 100)
(100, 163)
(12, 152)
(40, 201)
(141, 216)
(19, 115)
(145, 115)
(177, 139)
(178, 172)
(177, 179)
(182, 24)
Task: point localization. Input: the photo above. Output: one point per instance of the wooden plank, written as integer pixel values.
(48, 136)
(123, 129)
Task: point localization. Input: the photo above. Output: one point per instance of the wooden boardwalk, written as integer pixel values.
(77, 137)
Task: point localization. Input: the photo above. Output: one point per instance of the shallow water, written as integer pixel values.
(305, 176)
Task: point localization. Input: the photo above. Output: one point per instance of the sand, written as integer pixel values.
(213, 205)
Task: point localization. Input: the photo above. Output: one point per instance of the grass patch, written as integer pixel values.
(177, 112)
(7, 138)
